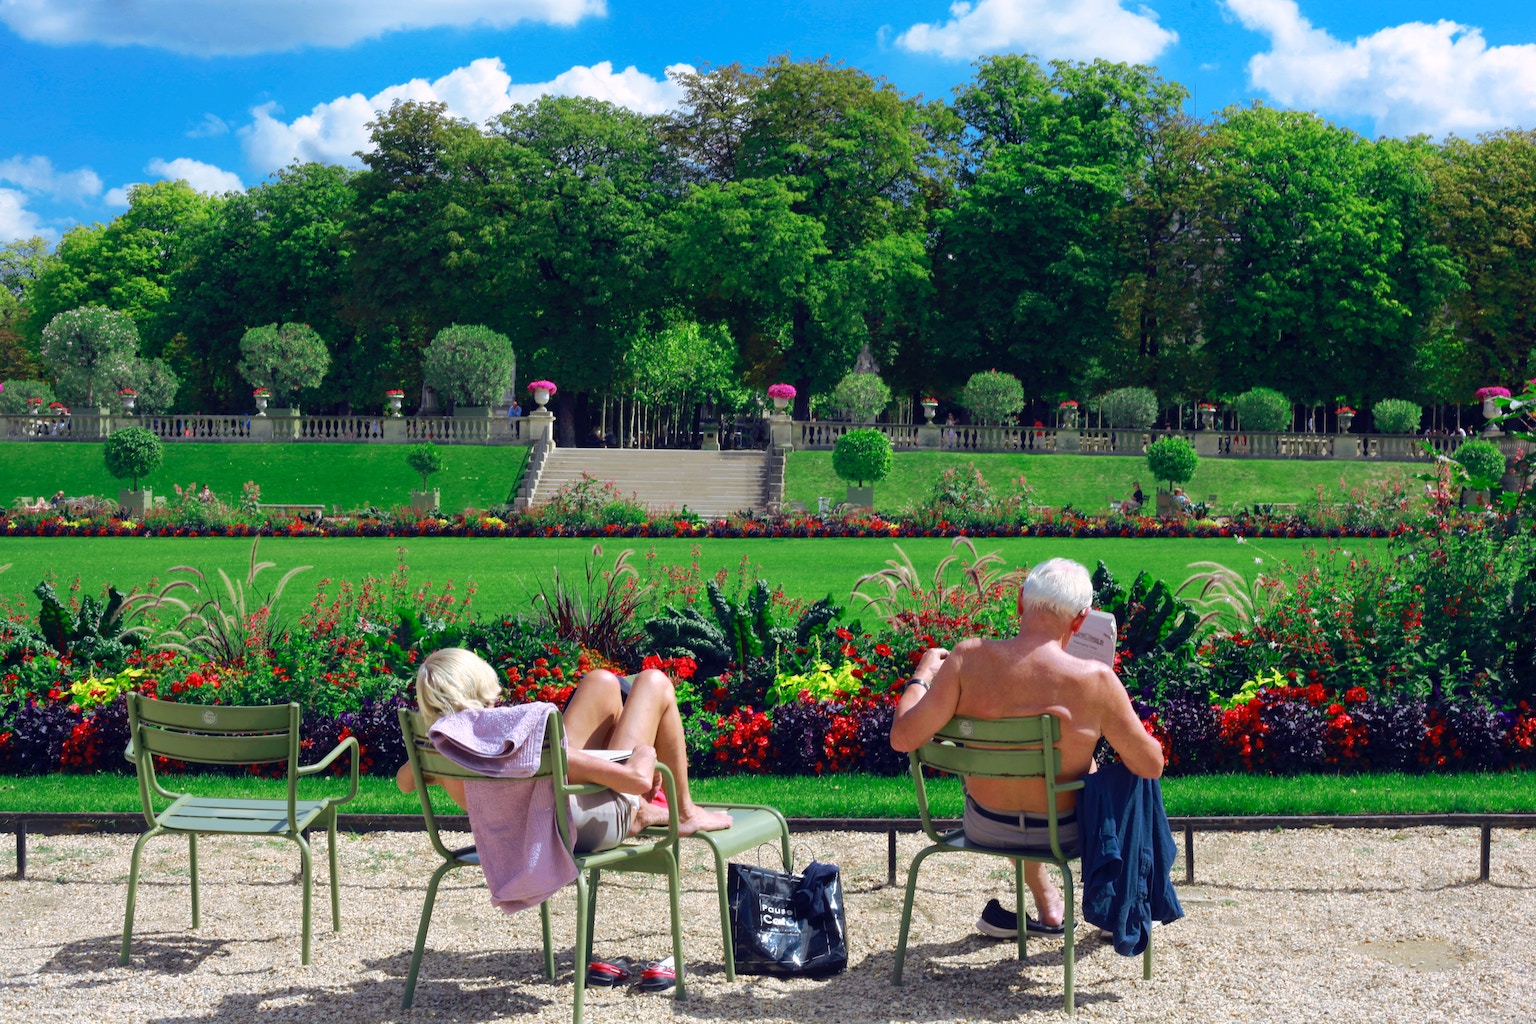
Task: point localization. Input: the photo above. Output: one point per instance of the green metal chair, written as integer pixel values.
(654, 852)
(1003, 748)
(232, 736)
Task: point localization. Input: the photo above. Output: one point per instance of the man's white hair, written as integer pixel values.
(1058, 587)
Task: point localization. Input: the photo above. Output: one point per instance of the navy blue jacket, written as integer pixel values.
(1128, 852)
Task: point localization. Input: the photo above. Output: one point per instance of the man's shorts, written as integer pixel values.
(600, 821)
(1018, 830)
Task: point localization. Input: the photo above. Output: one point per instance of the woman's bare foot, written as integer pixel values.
(694, 818)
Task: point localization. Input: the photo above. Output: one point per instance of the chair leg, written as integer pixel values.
(1018, 909)
(1146, 956)
(1069, 943)
(307, 877)
(133, 892)
(549, 945)
(583, 942)
(330, 838)
(593, 880)
(906, 914)
(725, 916)
(426, 921)
(674, 894)
(197, 917)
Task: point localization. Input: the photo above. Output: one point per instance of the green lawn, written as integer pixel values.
(862, 796)
(505, 568)
(345, 475)
(1087, 482)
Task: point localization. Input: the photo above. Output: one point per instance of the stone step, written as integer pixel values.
(710, 483)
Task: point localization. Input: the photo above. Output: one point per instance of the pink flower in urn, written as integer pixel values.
(543, 385)
(1483, 394)
(784, 391)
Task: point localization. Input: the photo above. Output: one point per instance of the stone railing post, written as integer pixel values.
(781, 431)
(541, 425)
(929, 436)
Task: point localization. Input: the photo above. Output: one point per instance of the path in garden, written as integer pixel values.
(713, 484)
(1297, 926)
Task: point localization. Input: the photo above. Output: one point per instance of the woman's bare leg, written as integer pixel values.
(650, 716)
(593, 711)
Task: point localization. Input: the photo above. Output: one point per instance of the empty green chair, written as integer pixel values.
(654, 852)
(1002, 748)
(214, 734)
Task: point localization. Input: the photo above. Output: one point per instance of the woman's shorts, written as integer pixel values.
(600, 821)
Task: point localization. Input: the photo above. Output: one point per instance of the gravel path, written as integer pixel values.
(1296, 926)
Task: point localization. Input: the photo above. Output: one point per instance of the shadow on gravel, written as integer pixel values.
(152, 953)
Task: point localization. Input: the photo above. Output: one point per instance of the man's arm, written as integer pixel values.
(1138, 749)
(927, 705)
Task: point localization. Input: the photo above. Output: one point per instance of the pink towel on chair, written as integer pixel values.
(514, 825)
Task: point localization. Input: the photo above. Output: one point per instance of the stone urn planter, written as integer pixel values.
(136, 503)
(394, 398)
(1346, 420)
(930, 409)
(261, 403)
(129, 399)
(781, 404)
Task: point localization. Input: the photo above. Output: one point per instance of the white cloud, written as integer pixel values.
(1410, 78)
(1049, 29)
(261, 26)
(36, 174)
(16, 221)
(202, 177)
(211, 126)
(332, 132)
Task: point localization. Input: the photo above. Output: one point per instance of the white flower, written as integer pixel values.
(1242, 540)
(1258, 561)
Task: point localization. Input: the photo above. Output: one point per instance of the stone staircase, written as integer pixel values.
(713, 484)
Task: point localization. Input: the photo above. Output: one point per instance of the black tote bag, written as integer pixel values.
(787, 924)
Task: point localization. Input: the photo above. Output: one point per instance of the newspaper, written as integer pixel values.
(1096, 640)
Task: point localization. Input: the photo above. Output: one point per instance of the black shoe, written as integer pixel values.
(997, 923)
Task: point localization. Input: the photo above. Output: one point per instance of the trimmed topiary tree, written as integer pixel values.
(469, 365)
(992, 396)
(1396, 416)
(1135, 408)
(1262, 409)
(863, 396)
(862, 457)
(130, 455)
(1483, 462)
(425, 458)
(285, 359)
(1172, 459)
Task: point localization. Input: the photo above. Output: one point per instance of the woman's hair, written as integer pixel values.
(1059, 588)
(454, 679)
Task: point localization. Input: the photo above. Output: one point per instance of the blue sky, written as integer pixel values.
(98, 94)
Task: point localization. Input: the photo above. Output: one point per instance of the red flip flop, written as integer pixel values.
(608, 973)
(658, 977)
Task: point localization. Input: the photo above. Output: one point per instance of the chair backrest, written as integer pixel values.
(995, 748)
(426, 763)
(211, 734)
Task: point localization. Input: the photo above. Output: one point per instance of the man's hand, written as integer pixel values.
(930, 663)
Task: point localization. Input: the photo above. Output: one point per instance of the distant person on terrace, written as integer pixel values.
(1029, 674)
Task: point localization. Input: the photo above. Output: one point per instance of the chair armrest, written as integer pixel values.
(1066, 787)
(669, 786)
(350, 743)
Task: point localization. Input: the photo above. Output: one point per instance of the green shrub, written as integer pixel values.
(283, 359)
(425, 458)
(1135, 408)
(862, 455)
(1172, 459)
(469, 364)
(1396, 416)
(992, 396)
(133, 453)
(861, 396)
(1263, 409)
(1483, 462)
(13, 400)
(93, 353)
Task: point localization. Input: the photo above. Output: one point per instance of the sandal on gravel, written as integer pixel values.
(658, 977)
(608, 973)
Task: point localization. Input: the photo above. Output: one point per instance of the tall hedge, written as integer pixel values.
(1263, 409)
(1135, 408)
(469, 364)
(992, 396)
(1396, 416)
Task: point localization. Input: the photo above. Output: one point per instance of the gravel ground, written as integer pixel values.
(1283, 926)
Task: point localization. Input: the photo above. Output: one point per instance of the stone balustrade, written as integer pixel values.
(276, 426)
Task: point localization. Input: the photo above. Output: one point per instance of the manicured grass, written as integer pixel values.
(344, 475)
(863, 796)
(504, 569)
(1087, 482)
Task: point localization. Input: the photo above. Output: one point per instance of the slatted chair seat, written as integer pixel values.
(1003, 748)
(653, 852)
(230, 735)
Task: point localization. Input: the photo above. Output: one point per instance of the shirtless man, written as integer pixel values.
(1029, 674)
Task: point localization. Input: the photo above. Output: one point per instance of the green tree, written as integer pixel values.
(285, 359)
(1129, 407)
(1482, 461)
(90, 351)
(862, 396)
(426, 459)
(1263, 409)
(133, 453)
(1396, 416)
(13, 399)
(469, 365)
(1172, 459)
(992, 396)
(861, 456)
